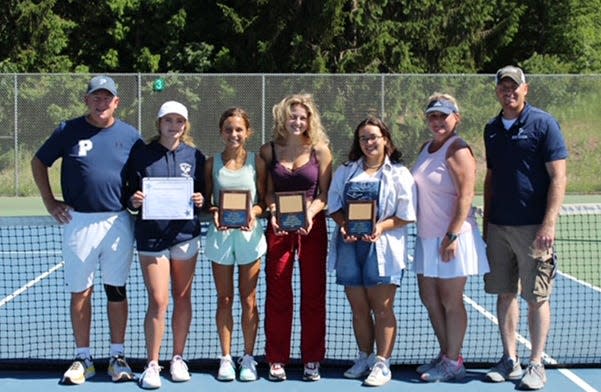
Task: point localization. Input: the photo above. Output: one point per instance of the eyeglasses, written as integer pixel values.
(371, 138)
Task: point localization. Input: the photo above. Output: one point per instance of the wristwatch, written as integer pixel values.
(451, 236)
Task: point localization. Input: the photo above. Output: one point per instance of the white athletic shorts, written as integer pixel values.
(182, 251)
(104, 239)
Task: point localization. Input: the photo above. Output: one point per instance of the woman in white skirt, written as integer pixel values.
(449, 246)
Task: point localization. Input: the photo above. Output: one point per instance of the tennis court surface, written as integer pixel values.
(35, 329)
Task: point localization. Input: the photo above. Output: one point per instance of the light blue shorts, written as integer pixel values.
(182, 251)
(357, 265)
(234, 246)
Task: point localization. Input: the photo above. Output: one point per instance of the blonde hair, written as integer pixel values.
(185, 138)
(282, 111)
(443, 96)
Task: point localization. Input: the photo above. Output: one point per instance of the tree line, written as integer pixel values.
(299, 36)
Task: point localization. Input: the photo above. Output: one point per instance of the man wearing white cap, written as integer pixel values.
(97, 228)
(523, 192)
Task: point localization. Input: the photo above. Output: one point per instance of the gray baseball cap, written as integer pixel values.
(511, 72)
(102, 83)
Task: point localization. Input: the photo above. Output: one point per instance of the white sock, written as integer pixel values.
(385, 360)
(83, 352)
(117, 349)
(454, 363)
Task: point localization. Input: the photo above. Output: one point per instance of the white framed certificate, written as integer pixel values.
(167, 198)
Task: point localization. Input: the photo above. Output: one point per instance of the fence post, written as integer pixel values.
(262, 109)
(382, 96)
(16, 136)
(139, 95)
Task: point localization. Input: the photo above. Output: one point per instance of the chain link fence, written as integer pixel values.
(32, 105)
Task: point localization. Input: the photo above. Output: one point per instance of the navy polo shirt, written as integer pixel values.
(93, 163)
(516, 158)
(154, 160)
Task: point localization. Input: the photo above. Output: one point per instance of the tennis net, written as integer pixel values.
(35, 324)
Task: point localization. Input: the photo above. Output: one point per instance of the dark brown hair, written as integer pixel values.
(390, 149)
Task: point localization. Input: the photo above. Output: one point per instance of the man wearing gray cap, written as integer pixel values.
(523, 192)
(97, 228)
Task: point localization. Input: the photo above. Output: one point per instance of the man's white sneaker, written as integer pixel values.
(80, 370)
(119, 370)
(534, 377)
(227, 371)
(506, 369)
(248, 368)
(151, 377)
(179, 369)
(380, 374)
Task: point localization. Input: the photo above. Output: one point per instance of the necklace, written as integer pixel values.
(372, 166)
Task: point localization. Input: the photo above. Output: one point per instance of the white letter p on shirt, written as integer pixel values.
(84, 147)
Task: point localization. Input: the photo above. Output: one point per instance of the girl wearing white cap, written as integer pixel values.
(168, 249)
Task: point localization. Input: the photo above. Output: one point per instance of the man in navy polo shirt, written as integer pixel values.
(523, 192)
(97, 229)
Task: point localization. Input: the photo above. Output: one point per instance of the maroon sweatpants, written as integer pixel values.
(312, 253)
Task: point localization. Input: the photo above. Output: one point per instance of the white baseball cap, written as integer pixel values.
(173, 107)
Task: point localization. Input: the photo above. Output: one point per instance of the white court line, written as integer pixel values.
(586, 284)
(547, 358)
(30, 284)
(13, 253)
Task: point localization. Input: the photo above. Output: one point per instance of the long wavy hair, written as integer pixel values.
(393, 153)
(282, 111)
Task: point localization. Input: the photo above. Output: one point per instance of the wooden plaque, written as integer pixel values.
(291, 210)
(234, 208)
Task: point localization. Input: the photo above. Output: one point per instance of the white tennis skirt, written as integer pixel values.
(470, 258)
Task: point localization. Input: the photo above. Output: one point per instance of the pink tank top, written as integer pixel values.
(436, 193)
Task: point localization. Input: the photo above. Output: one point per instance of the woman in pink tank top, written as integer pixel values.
(449, 247)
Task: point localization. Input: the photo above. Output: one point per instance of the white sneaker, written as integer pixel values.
(248, 368)
(80, 370)
(361, 367)
(277, 371)
(119, 370)
(311, 372)
(151, 377)
(179, 369)
(226, 372)
(380, 374)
